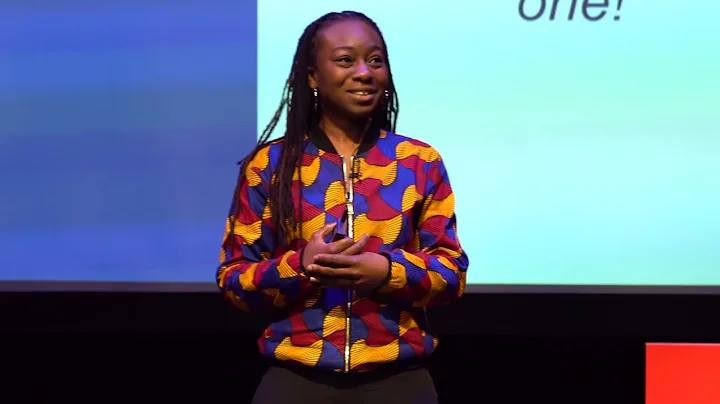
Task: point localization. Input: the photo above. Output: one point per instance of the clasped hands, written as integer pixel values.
(343, 264)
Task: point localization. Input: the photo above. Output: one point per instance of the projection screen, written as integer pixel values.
(581, 137)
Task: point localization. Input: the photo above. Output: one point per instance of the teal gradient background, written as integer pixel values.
(581, 153)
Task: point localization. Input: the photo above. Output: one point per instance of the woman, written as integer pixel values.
(343, 231)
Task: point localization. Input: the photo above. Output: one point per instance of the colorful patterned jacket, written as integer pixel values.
(401, 196)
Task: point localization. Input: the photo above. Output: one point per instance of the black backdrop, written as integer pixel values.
(499, 348)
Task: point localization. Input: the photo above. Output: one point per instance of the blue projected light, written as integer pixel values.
(118, 149)
(581, 140)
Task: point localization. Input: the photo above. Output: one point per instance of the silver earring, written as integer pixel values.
(387, 95)
(315, 96)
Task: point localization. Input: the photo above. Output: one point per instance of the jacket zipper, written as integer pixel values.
(349, 197)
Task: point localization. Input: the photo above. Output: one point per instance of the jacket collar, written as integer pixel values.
(319, 138)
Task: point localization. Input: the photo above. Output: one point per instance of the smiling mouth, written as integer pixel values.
(362, 92)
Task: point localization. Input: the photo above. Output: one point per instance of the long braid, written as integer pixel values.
(298, 102)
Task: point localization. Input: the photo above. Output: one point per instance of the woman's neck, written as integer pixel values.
(344, 134)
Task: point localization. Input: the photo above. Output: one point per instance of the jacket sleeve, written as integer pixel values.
(435, 272)
(255, 273)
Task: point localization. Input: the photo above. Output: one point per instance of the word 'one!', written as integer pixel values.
(592, 10)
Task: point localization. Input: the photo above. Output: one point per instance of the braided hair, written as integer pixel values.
(298, 102)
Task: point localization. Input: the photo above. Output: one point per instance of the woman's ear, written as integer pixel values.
(312, 82)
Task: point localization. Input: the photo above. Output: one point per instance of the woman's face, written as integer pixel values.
(350, 71)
